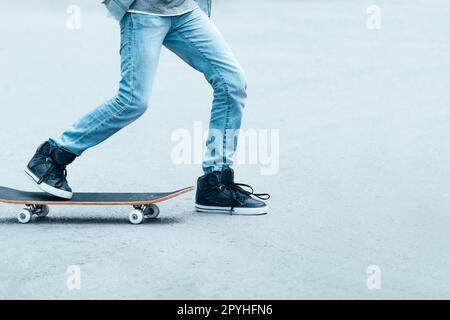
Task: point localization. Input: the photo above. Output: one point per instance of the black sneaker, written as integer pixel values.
(217, 192)
(48, 169)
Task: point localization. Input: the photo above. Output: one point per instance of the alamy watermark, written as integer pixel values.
(373, 281)
(73, 21)
(256, 146)
(373, 21)
(73, 281)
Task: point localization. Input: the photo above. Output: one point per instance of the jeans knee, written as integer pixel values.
(139, 107)
(131, 104)
(232, 85)
(240, 83)
(236, 84)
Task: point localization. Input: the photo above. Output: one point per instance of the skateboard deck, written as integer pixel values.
(37, 202)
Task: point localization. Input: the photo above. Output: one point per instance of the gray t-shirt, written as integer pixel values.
(163, 7)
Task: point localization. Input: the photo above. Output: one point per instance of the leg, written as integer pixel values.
(196, 40)
(141, 41)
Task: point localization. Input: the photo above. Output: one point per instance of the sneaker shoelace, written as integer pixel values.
(239, 187)
(239, 193)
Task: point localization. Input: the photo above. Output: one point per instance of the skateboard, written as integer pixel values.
(37, 203)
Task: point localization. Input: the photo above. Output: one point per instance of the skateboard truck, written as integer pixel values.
(150, 211)
(25, 215)
(140, 212)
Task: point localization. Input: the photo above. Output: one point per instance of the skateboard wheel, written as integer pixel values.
(24, 216)
(136, 216)
(42, 211)
(151, 211)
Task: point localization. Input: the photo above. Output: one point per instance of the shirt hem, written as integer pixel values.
(162, 15)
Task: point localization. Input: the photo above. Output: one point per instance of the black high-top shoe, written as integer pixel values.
(217, 192)
(48, 169)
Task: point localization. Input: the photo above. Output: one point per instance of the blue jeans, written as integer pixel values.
(196, 40)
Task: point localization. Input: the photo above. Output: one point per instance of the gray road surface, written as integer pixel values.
(363, 174)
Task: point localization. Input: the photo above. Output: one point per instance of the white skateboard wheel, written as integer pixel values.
(136, 216)
(24, 216)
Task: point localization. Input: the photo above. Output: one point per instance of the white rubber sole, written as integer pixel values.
(235, 211)
(47, 188)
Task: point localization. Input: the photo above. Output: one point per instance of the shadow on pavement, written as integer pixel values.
(93, 220)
